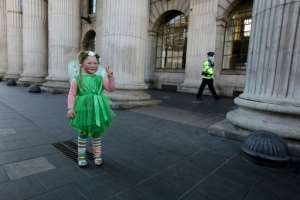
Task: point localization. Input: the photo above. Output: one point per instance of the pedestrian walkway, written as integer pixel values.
(154, 153)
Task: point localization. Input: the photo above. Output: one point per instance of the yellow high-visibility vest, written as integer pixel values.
(207, 71)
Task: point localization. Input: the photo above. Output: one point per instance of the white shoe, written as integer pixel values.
(98, 161)
(82, 163)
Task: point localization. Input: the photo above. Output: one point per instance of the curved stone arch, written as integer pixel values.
(226, 6)
(159, 8)
(161, 11)
(88, 41)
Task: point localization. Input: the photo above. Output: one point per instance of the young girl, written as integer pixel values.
(88, 109)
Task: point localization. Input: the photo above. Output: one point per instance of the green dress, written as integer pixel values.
(93, 114)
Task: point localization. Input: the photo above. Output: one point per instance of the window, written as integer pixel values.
(171, 43)
(92, 7)
(237, 34)
(89, 41)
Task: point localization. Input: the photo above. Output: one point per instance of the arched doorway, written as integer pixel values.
(233, 34)
(88, 42)
(171, 41)
(236, 37)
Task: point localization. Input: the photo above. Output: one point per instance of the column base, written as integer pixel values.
(282, 119)
(31, 80)
(2, 75)
(56, 86)
(188, 88)
(126, 99)
(228, 130)
(11, 77)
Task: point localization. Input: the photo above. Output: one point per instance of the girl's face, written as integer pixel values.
(90, 65)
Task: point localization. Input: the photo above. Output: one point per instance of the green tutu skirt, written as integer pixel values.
(93, 114)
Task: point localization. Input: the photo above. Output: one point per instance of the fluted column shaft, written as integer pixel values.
(64, 39)
(124, 40)
(3, 39)
(271, 100)
(273, 71)
(35, 48)
(14, 38)
(99, 27)
(201, 39)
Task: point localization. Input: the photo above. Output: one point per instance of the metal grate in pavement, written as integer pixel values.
(69, 149)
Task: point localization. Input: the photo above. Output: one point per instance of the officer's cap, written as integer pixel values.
(211, 53)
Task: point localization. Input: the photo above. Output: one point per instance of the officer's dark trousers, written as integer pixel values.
(210, 83)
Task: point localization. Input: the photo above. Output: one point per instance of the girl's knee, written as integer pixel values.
(83, 135)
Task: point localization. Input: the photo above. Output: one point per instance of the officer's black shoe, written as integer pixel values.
(199, 98)
(217, 97)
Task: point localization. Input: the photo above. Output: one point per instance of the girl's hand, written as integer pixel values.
(70, 113)
(109, 73)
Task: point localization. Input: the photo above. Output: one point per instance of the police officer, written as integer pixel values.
(208, 76)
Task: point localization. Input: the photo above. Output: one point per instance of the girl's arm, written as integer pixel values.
(109, 84)
(72, 94)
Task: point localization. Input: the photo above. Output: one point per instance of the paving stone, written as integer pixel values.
(27, 153)
(195, 195)
(276, 185)
(207, 159)
(23, 124)
(172, 182)
(127, 171)
(262, 193)
(7, 145)
(27, 167)
(59, 160)
(21, 189)
(11, 115)
(47, 196)
(103, 187)
(219, 188)
(60, 177)
(7, 131)
(142, 154)
(3, 175)
(242, 172)
(70, 191)
(145, 157)
(184, 101)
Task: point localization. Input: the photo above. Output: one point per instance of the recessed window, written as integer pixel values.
(89, 40)
(171, 43)
(92, 6)
(237, 35)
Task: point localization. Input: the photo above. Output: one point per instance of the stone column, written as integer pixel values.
(151, 58)
(35, 48)
(271, 99)
(201, 39)
(99, 27)
(14, 38)
(64, 40)
(124, 47)
(3, 39)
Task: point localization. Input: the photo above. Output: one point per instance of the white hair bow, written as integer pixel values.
(91, 53)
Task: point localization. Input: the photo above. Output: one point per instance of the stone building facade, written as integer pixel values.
(161, 44)
(38, 37)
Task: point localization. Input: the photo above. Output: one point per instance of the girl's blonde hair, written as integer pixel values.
(82, 55)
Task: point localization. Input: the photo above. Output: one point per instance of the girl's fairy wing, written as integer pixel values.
(73, 69)
(101, 71)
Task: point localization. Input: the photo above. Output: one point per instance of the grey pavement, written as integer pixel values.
(162, 152)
